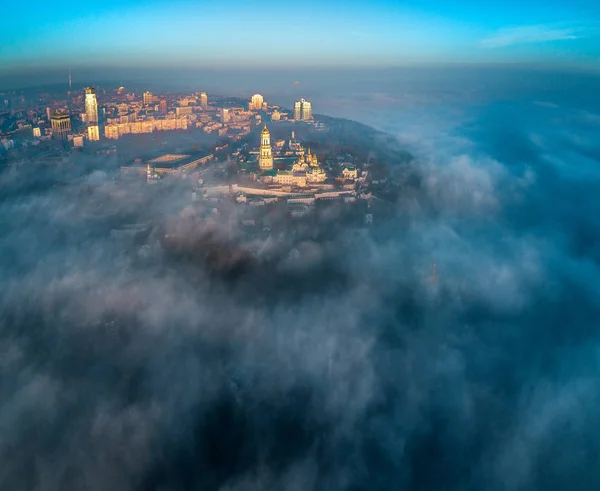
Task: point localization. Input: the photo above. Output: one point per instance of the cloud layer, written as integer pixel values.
(180, 354)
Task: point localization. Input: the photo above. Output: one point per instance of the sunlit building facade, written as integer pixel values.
(61, 125)
(183, 111)
(162, 106)
(297, 111)
(306, 110)
(115, 131)
(302, 110)
(350, 172)
(203, 100)
(91, 106)
(147, 98)
(93, 133)
(257, 103)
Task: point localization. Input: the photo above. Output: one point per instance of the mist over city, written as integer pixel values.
(370, 266)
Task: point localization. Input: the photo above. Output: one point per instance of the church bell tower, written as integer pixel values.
(265, 158)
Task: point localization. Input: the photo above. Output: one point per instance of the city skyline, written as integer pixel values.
(379, 33)
(77, 120)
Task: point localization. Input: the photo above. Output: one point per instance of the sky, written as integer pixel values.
(184, 33)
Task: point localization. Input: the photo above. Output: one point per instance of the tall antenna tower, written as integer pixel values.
(69, 92)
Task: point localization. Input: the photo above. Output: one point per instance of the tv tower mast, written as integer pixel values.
(69, 92)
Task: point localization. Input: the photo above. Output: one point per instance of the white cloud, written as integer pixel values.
(527, 34)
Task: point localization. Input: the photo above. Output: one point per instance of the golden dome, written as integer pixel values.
(265, 131)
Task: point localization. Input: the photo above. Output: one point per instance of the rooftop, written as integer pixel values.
(168, 158)
(176, 161)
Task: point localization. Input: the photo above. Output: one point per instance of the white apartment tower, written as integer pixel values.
(302, 110)
(265, 157)
(93, 133)
(91, 106)
(257, 102)
(298, 111)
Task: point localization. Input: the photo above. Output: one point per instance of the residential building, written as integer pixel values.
(61, 125)
(302, 110)
(93, 133)
(257, 103)
(183, 111)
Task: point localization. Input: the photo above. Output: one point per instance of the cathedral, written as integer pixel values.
(265, 157)
(305, 170)
(309, 165)
(305, 162)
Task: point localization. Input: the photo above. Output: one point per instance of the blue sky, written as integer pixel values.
(322, 33)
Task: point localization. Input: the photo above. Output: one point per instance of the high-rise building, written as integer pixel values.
(297, 111)
(256, 103)
(225, 115)
(306, 110)
(302, 110)
(163, 106)
(265, 157)
(203, 100)
(91, 106)
(61, 125)
(93, 133)
(147, 98)
(48, 113)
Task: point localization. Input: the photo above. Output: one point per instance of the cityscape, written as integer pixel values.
(235, 134)
(300, 246)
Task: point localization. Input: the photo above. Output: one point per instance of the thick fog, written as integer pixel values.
(149, 345)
